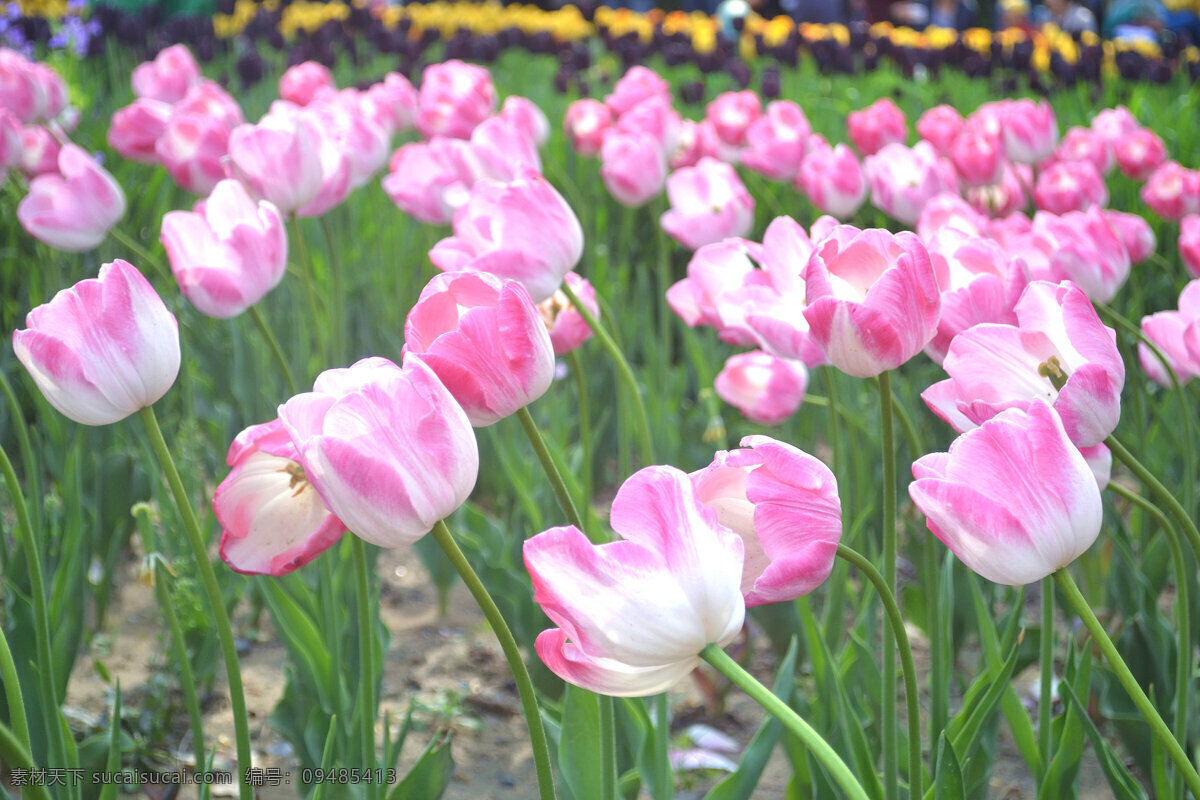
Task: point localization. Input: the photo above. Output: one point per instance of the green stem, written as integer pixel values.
(41, 617)
(330, 629)
(1174, 508)
(834, 422)
(142, 253)
(33, 474)
(783, 712)
(366, 657)
(623, 370)
(338, 305)
(12, 693)
(1183, 610)
(556, 479)
(665, 781)
(1149, 713)
(891, 782)
(141, 513)
(585, 426)
(310, 286)
(537, 734)
(911, 698)
(608, 749)
(261, 322)
(208, 577)
(14, 754)
(1045, 701)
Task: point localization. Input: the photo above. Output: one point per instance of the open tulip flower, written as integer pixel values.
(387, 448)
(708, 204)
(633, 615)
(73, 209)
(873, 300)
(229, 253)
(1014, 499)
(272, 520)
(1059, 352)
(104, 348)
(784, 504)
(485, 339)
(568, 329)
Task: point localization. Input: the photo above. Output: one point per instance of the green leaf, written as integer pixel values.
(579, 743)
(303, 641)
(429, 777)
(948, 782)
(967, 725)
(113, 764)
(1124, 786)
(741, 784)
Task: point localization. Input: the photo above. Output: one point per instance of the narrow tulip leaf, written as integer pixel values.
(327, 754)
(967, 727)
(1124, 786)
(740, 784)
(431, 774)
(948, 781)
(302, 640)
(113, 763)
(579, 744)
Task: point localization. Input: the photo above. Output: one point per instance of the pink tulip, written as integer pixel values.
(699, 140)
(567, 327)
(102, 349)
(765, 388)
(712, 294)
(209, 99)
(634, 614)
(1177, 335)
(775, 142)
(1005, 197)
(136, 129)
(940, 126)
(1084, 248)
(1135, 234)
(501, 151)
(1112, 124)
(278, 161)
(74, 209)
(486, 341)
(1030, 131)
(903, 179)
(1189, 244)
(732, 114)
(633, 168)
(833, 179)
(1013, 499)
(430, 180)
(525, 115)
(302, 83)
(784, 504)
(585, 124)
(636, 85)
(362, 142)
(523, 231)
(873, 300)
(1070, 186)
(708, 204)
(1172, 191)
(228, 254)
(21, 92)
(454, 98)
(654, 117)
(1140, 153)
(10, 143)
(1080, 144)
(54, 90)
(193, 148)
(168, 77)
(876, 126)
(39, 151)
(386, 448)
(1058, 340)
(272, 520)
(978, 281)
(391, 103)
(949, 211)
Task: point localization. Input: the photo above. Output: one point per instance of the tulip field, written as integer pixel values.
(712, 407)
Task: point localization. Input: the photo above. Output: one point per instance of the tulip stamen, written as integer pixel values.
(298, 481)
(1052, 370)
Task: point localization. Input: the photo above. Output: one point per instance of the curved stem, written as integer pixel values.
(366, 655)
(548, 466)
(41, 616)
(1174, 508)
(12, 693)
(891, 782)
(537, 734)
(14, 754)
(1147, 709)
(1183, 610)
(1046, 665)
(208, 577)
(585, 425)
(141, 513)
(911, 698)
(338, 304)
(785, 714)
(623, 370)
(273, 343)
